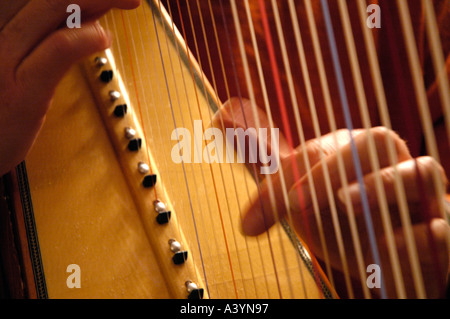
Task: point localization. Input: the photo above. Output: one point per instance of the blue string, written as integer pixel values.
(349, 124)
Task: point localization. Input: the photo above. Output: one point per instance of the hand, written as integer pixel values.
(425, 216)
(36, 50)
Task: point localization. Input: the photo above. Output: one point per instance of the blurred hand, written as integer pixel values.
(422, 197)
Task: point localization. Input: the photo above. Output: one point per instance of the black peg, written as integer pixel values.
(106, 76)
(120, 110)
(196, 294)
(180, 257)
(163, 217)
(149, 181)
(135, 144)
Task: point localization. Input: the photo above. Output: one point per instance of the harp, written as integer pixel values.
(103, 196)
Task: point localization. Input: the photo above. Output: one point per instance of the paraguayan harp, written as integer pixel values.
(160, 87)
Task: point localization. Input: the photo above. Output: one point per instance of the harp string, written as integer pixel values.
(402, 91)
(179, 60)
(210, 118)
(374, 160)
(256, 117)
(282, 104)
(190, 276)
(144, 95)
(271, 124)
(303, 143)
(330, 114)
(210, 166)
(183, 166)
(349, 124)
(269, 115)
(181, 216)
(215, 239)
(123, 71)
(421, 96)
(317, 132)
(194, 219)
(419, 86)
(223, 127)
(222, 66)
(253, 167)
(430, 138)
(332, 123)
(136, 91)
(398, 182)
(438, 60)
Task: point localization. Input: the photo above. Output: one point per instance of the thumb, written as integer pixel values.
(42, 70)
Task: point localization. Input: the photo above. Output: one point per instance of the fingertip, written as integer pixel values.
(257, 217)
(104, 37)
(253, 223)
(251, 220)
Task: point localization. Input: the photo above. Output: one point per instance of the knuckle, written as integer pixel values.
(381, 133)
(314, 150)
(383, 136)
(428, 166)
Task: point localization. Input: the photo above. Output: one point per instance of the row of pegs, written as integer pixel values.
(149, 180)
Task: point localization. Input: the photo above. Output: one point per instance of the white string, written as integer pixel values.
(398, 182)
(374, 160)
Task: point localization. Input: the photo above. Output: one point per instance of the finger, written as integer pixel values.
(319, 174)
(239, 114)
(40, 18)
(40, 73)
(10, 10)
(260, 213)
(417, 176)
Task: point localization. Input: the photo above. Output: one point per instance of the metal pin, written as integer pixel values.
(130, 133)
(100, 61)
(114, 95)
(174, 245)
(190, 286)
(193, 290)
(159, 206)
(143, 168)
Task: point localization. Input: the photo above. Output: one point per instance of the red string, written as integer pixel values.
(287, 129)
(210, 166)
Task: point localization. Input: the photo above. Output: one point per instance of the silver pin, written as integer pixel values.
(174, 245)
(114, 95)
(190, 286)
(100, 61)
(130, 133)
(159, 206)
(143, 168)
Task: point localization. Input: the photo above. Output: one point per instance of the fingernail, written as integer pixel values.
(353, 191)
(300, 196)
